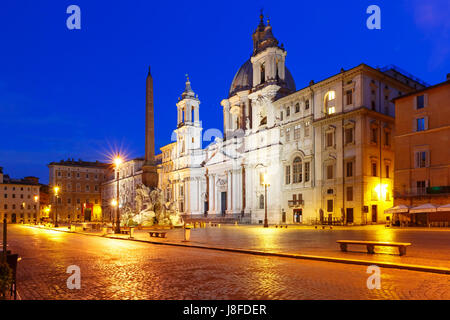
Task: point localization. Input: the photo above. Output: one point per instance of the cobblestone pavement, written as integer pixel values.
(430, 247)
(118, 269)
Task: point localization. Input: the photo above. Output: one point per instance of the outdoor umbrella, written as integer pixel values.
(398, 209)
(445, 207)
(427, 207)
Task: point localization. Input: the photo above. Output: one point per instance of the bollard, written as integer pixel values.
(131, 232)
(187, 234)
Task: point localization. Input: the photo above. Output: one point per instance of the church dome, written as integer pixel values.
(243, 80)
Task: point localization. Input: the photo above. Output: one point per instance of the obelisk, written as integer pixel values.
(149, 173)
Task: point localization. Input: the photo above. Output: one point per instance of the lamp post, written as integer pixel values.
(56, 191)
(265, 183)
(36, 198)
(117, 163)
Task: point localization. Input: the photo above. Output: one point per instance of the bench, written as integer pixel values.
(124, 231)
(157, 234)
(372, 244)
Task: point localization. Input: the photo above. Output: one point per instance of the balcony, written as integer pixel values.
(422, 192)
(295, 203)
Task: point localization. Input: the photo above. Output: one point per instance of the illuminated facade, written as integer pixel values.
(327, 149)
(19, 199)
(79, 182)
(422, 173)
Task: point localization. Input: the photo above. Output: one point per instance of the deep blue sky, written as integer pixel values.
(81, 93)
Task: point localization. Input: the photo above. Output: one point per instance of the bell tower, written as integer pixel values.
(189, 127)
(268, 58)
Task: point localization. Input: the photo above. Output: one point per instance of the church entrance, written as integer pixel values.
(298, 215)
(223, 202)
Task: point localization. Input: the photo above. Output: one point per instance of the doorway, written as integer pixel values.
(298, 215)
(349, 215)
(13, 218)
(223, 202)
(374, 213)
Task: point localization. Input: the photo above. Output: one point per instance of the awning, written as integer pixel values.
(427, 207)
(398, 209)
(445, 207)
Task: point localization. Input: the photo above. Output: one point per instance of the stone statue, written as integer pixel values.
(150, 210)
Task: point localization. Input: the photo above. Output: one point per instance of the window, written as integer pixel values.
(78, 201)
(288, 111)
(330, 172)
(288, 134)
(297, 132)
(297, 108)
(263, 73)
(420, 101)
(349, 193)
(387, 171)
(373, 105)
(329, 102)
(331, 110)
(421, 187)
(374, 135)
(350, 169)
(420, 124)
(281, 115)
(69, 200)
(374, 169)
(387, 138)
(329, 205)
(297, 170)
(421, 159)
(349, 95)
(261, 202)
(288, 175)
(348, 135)
(329, 139)
(307, 129)
(306, 104)
(87, 188)
(307, 171)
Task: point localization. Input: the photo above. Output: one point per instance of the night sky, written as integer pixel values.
(81, 93)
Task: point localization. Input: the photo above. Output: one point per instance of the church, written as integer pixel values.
(320, 154)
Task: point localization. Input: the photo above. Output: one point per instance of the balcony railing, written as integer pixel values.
(425, 191)
(295, 203)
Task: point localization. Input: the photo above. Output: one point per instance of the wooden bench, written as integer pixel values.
(157, 234)
(372, 244)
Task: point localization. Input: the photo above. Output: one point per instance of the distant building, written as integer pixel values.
(19, 199)
(80, 182)
(422, 152)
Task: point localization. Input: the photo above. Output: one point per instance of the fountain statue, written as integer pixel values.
(150, 210)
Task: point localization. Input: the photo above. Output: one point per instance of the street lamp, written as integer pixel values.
(36, 198)
(56, 191)
(117, 162)
(265, 183)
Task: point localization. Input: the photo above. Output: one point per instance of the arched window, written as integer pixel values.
(329, 102)
(192, 114)
(263, 73)
(261, 202)
(297, 170)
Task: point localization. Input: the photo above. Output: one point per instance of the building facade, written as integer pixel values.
(19, 199)
(79, 182)
(422, 172)
(325, 151)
